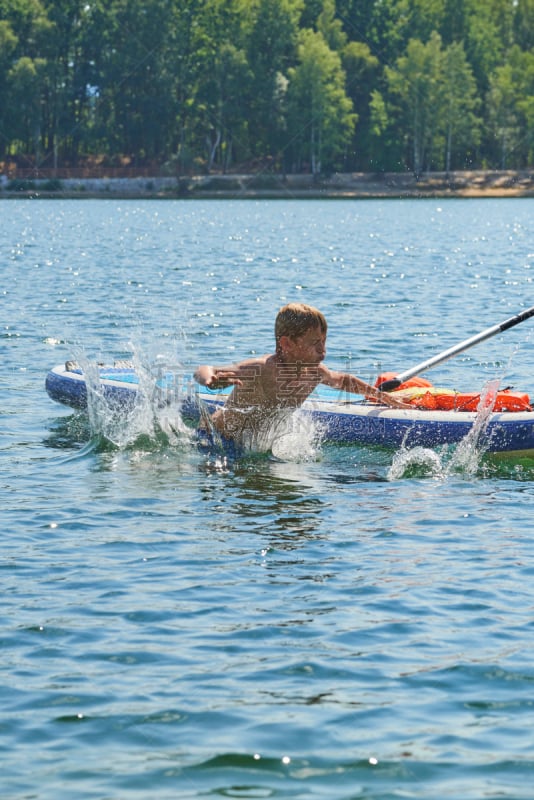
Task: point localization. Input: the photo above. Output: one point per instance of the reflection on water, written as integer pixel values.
(283, 511)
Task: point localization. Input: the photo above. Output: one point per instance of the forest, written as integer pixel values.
(293, 86)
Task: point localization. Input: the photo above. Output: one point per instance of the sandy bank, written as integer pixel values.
(265, 185)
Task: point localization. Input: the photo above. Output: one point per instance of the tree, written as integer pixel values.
(362, 70)
(488, 38)
(416, 85)
(330, 27)
(29, 22)
(136, 104)
(524, 24)
(24, 33)
(221, 98)
(70, 52)
(455, 21)
(271, 29)
(418, 19)
(8, 45)
(525, 104)
(460, 102)
(205, 83)
(189, 43)
(320, 116)
(25, 80)
(385, 151)
(511, 109)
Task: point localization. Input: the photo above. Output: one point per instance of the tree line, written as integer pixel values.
(286, 85)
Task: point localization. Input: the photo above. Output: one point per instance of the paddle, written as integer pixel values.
(394, 383)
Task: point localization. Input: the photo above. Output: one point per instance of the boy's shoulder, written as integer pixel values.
(257, 361)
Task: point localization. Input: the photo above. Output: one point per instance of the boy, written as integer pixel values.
(269, 384)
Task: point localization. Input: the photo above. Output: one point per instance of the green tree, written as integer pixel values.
(25, 81)
(70, 55)
(386, 150)
(8, 45)
(25, 33)
(222, 100)
(271, 30)
(212, 84)
(362, 70)
(525, 105)
(330, 27)
(136, 107)
(460, 103)
(29, 22)
(320, 116)
(381, 24)
(524, 24)
(418, 19)
(189, 48)
(454, 25)
(511, 110)
(206, 83)
(488, 38)
(416, 86)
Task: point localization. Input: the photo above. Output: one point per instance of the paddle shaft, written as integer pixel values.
(394, 383)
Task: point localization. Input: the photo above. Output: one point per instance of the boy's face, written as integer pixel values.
(310, 348)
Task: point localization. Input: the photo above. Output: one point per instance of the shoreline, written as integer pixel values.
(466, 184)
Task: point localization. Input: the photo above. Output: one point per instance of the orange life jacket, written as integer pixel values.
(420, 393)
(388, 376)
(448, 400)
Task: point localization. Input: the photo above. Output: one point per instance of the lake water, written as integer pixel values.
(348, 623)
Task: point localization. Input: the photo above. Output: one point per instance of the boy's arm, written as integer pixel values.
(217, 377)
(350, 383)
(244, 372)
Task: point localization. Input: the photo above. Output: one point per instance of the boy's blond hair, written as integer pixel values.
(295, 319)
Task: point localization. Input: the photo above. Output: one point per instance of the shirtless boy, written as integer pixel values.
(282, 380)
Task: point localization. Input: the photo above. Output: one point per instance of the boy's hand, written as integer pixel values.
(392, 402)
(221, 378)
(215, 378)
(401, 404)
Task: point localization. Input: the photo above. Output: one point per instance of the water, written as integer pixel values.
(342, 623)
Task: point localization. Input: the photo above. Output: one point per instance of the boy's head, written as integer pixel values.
(294, 319)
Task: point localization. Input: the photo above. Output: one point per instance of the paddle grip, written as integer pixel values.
(388, 386)
(521, 317)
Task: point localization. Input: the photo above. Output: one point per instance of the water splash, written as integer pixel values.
(291, 437)
(150, 418)
(287, 435)
(300, 442)
(464, 459)
(416, 462)
(153, 419)
(468, 453)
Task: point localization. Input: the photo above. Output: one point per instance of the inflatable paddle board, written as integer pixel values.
(342, 417)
